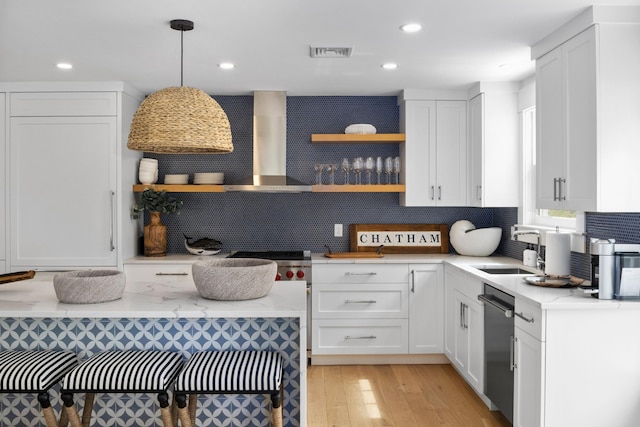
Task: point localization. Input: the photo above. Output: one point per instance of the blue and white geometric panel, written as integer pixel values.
(89, 336)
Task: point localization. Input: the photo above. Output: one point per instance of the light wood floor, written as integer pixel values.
(394, 396)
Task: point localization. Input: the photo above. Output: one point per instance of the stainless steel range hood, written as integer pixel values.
(269, 148)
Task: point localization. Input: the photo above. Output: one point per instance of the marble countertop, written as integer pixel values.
(37, 298)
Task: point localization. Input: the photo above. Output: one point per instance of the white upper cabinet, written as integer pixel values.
(434, 155)
(70, 176)
(587, 106)
(3, 240)
(494, 166)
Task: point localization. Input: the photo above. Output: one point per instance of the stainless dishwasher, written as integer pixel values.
(498, 348)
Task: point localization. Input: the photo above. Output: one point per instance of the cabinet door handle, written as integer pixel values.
(367, 337)
(413, 281)
(433, 192)
(111, 232)
(439, 192)
(562, 183)
(512, 354)
(555, 189)
(465, 307)
(172, 274)
(479, 192)
(522, 316)
(461, 316)
(371, 273)
(371, 301)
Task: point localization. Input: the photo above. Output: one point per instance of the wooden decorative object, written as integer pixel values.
(155, 236)
(400, 238)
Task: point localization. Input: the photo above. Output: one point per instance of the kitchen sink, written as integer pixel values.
(505, 270)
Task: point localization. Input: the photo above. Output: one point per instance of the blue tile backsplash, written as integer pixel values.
(249, 221)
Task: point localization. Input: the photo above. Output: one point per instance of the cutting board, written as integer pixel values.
(17, 276)
(353, 255)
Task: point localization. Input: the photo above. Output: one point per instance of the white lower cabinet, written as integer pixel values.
(426, 311)
(3, 240)
(529, 361)
(359, 309)
(464, 326)
(529, 364)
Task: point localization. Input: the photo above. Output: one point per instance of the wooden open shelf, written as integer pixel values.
(185, 188)
(347, 138)
(197, 188)
(384, 188)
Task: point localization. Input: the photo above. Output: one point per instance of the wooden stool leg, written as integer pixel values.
(183, 412)
(165, 409)
(64, 419)
(193, 406)
(276, 408)
(89, 399)
(71, 410)
(47, 410)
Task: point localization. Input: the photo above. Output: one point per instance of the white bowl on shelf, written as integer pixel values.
(176, 178)
(468, 240)
(361, 128)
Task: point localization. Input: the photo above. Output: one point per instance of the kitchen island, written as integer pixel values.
(159, 316)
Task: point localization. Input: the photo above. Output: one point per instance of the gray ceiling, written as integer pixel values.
(462, 41)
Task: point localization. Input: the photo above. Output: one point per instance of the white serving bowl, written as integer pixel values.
(468, 240)
(176, 178)
(234, 279)
(361, 128)
(89, 286)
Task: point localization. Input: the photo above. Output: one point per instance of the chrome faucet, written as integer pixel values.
(539, 260)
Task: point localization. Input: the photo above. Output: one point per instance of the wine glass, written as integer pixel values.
(369, 165)
(379, 167)
(332, 167)
(345, 168)
(396, 169)
(358, 163)
(319, 167)
(388, 168)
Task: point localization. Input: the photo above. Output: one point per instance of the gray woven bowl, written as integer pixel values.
(231, 279)
(89, 286)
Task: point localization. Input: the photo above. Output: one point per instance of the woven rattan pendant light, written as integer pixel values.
(180, 120)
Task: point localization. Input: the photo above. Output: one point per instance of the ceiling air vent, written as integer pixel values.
(330, 52)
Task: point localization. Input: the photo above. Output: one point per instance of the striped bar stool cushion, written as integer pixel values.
(231, 372)
(124, 371)
(134, 371)
(33, 371)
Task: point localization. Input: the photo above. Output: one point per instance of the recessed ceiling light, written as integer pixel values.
(64, 65)
(226, 65)
(390, 66)
(411, 28)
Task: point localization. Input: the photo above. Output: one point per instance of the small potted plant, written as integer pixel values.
(155, 233)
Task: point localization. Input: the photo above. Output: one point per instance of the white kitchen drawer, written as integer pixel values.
(360, 273)
(350, 301)
(159, 273)
(39, 104)
(366, 336)
(530, 319)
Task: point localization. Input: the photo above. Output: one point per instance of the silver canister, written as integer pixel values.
(604, 266)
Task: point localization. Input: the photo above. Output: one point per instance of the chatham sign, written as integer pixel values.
(399, 238)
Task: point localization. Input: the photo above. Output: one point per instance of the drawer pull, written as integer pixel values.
(349, 273)
(348, 301)
(522, 316)
(172, 274)
(370, 337)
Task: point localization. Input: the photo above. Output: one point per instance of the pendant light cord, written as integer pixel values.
(181, 56)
